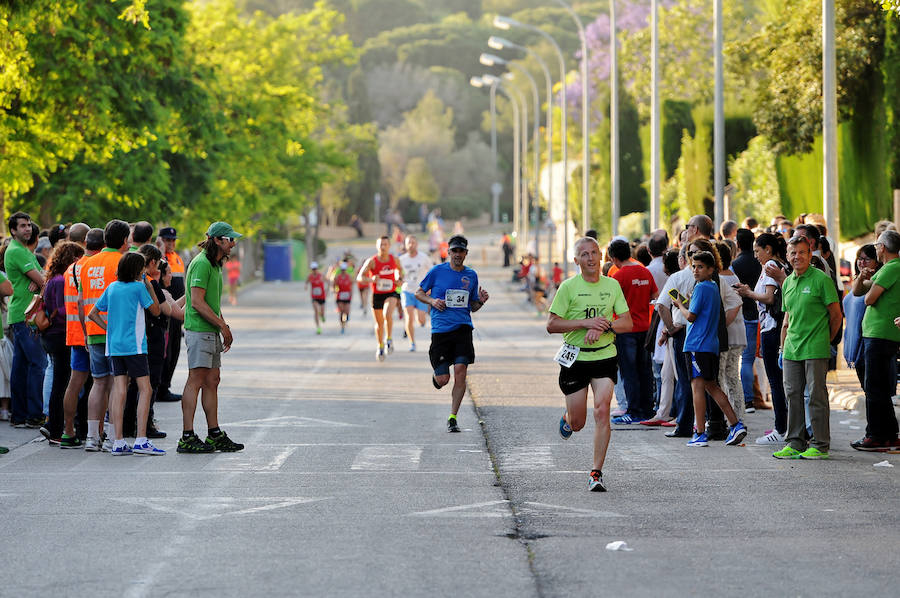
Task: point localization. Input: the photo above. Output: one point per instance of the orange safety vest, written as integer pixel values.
(176, 264)
(97, 273)
(74, 332)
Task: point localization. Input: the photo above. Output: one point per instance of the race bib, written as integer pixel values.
(318, 292)
(383, 285)
(567, 355)
(456, 298)
(344, 296)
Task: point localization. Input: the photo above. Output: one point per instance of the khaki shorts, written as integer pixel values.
(204, 349)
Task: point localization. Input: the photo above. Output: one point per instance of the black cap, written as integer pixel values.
(458, 242)
(168, 233)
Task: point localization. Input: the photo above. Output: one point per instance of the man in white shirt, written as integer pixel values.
(415, 266)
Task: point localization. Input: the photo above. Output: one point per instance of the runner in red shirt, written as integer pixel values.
(383, 271)
(343, 293)
(315, 282)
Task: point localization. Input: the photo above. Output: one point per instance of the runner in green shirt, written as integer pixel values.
(588, 310)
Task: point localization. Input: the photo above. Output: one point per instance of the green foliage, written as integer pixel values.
(694, 172)
(753, 175)
(632, 194)
(890, 67)
(783, 66)
(419, 182)
(891, 6)
(634, 225)
(676, 120)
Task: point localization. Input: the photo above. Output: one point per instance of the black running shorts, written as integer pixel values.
(579, 376)
(378, 299)
(449, 348)
(702, 365)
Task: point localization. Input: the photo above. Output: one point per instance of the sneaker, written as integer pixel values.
(452, 426)
(193, 444)
(787, 452)
(107, 445)
(92, 444)
(118, 451)
(16, 424)
(565, 430)
(867, 443)
(814, 453)
(434, 382)
(223, 443)
(412, 347)
(154, 432)
(147, 449)
(35, 422)
(772, 437)
(624, 420)
(318, 331)
(70, 442)
(595, 484)
(389, 346)
(379, 354)
(736, 433)
(698, 440)
(45, 432)
(4, 415)
(3, 450)
(749, 408)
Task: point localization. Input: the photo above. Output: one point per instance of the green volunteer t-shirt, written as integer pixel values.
(806, 298)
(578, 299)
(18, 261)
(879, 319)
(202, 274)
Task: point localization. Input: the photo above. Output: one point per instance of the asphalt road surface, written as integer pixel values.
(351, 486)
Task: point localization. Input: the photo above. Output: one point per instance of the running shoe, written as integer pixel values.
(868, 443)
(787, 452)
(814, 453)
(107, 445)
(389, 346)
(119, 451)
(70, 442)
(223, 443)
(3, 450)
(92, 444)
(771, 437)
(45, 432)
(379, 354)
(595, 483)
(412, 347)
(565, 430)
(318, 331)
(434, 382)
(35, 422)
(699, 440)
(343, 330)
(452, 426)
(749, 408)
(736, 434)
(193, 444)
(147, 449)
(624, 420)
(154, 432)
(16, 424)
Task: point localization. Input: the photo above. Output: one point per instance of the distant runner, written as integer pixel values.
(455, 295)
(315, 282)
(588, 310)
(343, 293)
(382, 271)
(415, 266)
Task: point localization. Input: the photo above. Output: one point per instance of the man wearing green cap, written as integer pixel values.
(203, 323)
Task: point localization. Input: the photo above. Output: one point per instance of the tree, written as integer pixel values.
(420, 184)
(755, 182)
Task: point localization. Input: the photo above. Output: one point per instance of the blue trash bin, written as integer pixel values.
(277, 261)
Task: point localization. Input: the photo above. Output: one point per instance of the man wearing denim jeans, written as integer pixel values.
(747, 268)
(812, 317)
(881, 338)
(634, 360)
(29, 358)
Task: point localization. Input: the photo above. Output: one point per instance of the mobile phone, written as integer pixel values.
(736, 285)
(674, 294)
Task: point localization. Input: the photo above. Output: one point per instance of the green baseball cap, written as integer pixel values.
(222, 229)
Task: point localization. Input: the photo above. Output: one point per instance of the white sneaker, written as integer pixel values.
(772, 437)
(412, 347)
(389, 346)
(107, 446)
(92, 444)
(4, 415)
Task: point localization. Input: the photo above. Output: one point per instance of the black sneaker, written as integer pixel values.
(154, 432)
(867, 443)
(434, 383)
(70, 442)
(35, 423)
(223, 443)
(45, 432)
(452, 425)
(193, 444)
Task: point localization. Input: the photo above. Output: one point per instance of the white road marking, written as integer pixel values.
(205, 508)
(290, 421)
(527, 457)
(388, 458)
(502, 508)
(258, 460)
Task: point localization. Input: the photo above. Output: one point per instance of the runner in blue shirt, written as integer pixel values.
(452, 290)
(124, 302)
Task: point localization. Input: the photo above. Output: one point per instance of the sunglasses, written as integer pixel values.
(457, 250)
(229, 239)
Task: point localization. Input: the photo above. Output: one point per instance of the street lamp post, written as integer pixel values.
(506, 23)
(654, 118)
(495, 202)
(613, 117)
(718, 119)
(498, 43)
(831, 207)
(585, 117)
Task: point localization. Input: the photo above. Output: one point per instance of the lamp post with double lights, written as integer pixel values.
(499, 43)
(492, 60)
(506, 23)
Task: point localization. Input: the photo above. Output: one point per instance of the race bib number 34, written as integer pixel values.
(456, 298)
(567, 355)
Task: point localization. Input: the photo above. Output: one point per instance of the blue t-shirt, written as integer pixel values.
(457, 289)
(124, 304)
(703, 333)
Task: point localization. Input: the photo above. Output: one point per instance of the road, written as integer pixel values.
(351, 486)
